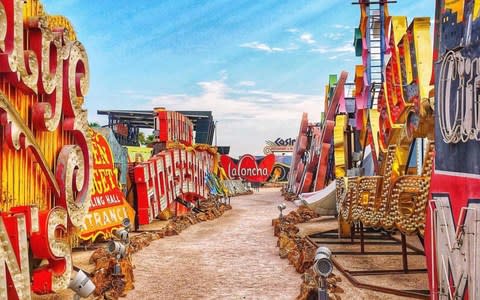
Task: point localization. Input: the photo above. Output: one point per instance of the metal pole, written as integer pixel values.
(352, 232)
(362, 241)
(322, 290)
(216, 133)
(404, 253)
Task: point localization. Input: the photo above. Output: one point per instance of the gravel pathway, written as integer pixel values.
(233, 257)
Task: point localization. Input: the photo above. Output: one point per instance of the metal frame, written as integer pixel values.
(372, 237)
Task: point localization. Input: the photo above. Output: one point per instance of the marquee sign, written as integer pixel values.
(280, 172)
(248, 168)
(172, 173)
(108, 204)
(45, 158)
(172, 126)
(452, 239)
(279, 145)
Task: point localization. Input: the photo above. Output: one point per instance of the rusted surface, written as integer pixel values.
(233, 257)
(301, 252)
(357, 264)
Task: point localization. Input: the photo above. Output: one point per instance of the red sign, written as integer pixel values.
(172, 126)
(248, 168)
(45, 151)
(120, 129)
(451, 233)
(167, 175)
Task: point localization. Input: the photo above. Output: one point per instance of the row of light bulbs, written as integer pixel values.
(402, 201)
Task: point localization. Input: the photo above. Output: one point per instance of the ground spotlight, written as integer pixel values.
(126, 224)
(281, 207)
(323, 265)
(122, 234)
(81, 285)
(117, 248)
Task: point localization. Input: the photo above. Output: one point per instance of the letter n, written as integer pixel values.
(14, 265)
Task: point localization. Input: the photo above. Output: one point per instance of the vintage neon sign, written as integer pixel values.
(43, 70)
(40, 228)
(172, 126)
(451, 237)
(279, 145)
(167, 175)
(248, 168)
(108, 204)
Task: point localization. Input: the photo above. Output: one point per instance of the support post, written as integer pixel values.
(362, 241)
(352, 232)
(404, 253)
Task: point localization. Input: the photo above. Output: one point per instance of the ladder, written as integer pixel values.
(376, 50)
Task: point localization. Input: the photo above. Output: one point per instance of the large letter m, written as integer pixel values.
(456, 247)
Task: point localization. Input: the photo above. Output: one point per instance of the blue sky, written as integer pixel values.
(256, 64)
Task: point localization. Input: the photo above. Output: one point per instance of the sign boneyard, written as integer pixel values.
(403, 154)
(45, 158)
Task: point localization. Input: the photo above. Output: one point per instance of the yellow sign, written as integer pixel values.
(108, 206)
(139, 154)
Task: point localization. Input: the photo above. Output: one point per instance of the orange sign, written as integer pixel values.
(108, 205)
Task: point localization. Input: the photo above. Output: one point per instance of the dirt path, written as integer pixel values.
(233, 257)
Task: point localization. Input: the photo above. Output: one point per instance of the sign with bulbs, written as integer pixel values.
(45, 150)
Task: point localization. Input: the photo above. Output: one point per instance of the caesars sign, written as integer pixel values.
(45, 157)
(279, 145)
(248, 168)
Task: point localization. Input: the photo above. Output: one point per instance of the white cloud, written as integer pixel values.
(334, 35)
(307, 38)
(247, 116)
(261, 47)
(344, 48)
(338, 50)
(320, 50)
(341, 26)
(292, 30)
(246, 83)
(292, 47)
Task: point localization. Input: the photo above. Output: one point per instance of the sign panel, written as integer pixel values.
(139, 154)
(172, 126)
(451, 236)
(280, 172)
(248, 168)
(45, 155)
(279, 145)
(108, 204)
(169, 175)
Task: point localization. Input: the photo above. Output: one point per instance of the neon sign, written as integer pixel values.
(248, 168)
(45, 158)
